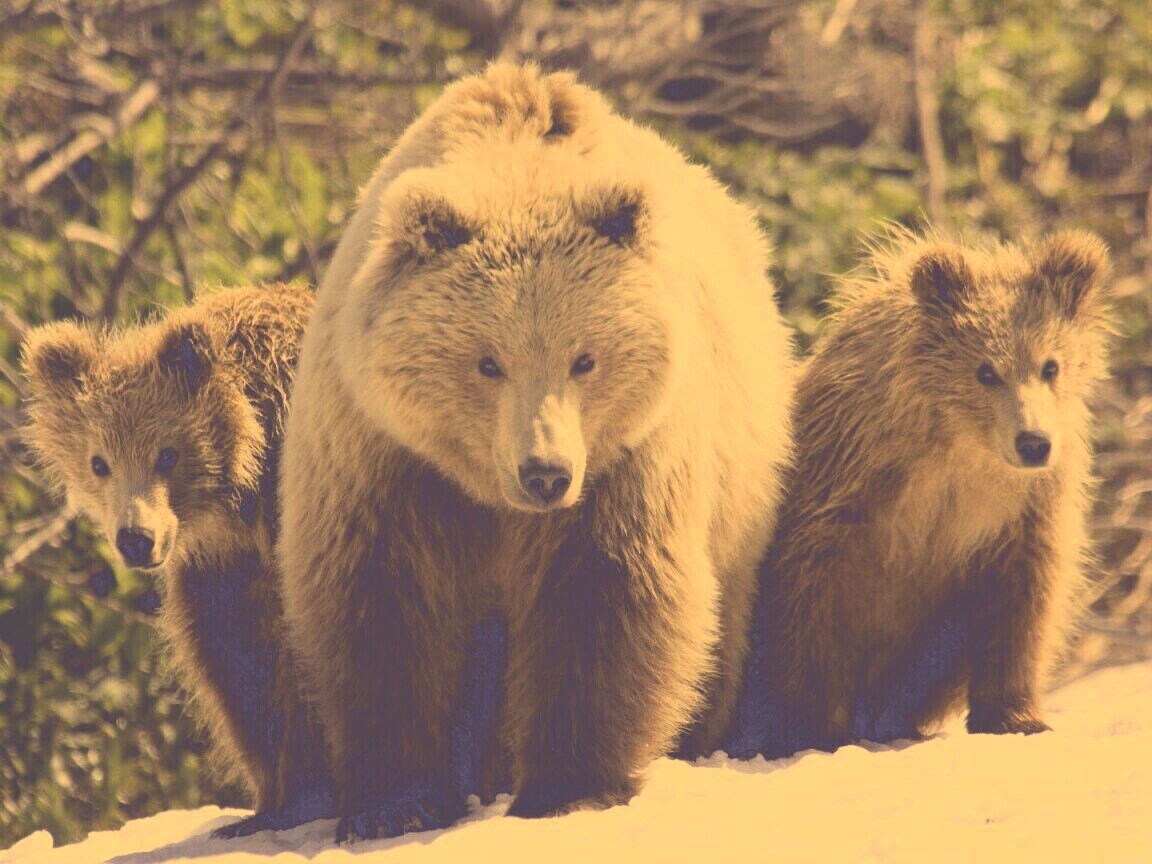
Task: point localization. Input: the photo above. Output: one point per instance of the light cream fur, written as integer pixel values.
(675, 437)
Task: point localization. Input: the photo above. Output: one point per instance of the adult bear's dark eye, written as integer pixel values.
(1050, 370)
(100, 467)
(987, 376)
(583, 364)
(489, 369)
(167, 461)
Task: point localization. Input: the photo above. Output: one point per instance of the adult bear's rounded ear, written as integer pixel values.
(424, 225)
(1074, 266)
(619, 214)
(940, 278)
(57, 357)
(187, 354)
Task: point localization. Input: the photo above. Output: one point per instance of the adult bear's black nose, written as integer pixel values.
(1033, 448)
(545, 483)
(135, 545)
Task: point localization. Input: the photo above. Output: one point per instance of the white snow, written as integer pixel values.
(1080, 793)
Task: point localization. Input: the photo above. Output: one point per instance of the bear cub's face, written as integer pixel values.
(122, 424)
(519, 347)
(1020, 342)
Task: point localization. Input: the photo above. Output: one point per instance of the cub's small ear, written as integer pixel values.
(620, 215)
(940, 278)
(1074, 266)
(429, 226)
(58, 356)
(187, 354)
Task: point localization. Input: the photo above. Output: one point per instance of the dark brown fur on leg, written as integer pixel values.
(593, 658)
(387, 677)
(391, 739)
(1008, 604)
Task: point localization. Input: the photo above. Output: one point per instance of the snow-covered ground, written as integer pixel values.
(1080, 793)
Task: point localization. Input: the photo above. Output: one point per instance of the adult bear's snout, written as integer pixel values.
(545, 483)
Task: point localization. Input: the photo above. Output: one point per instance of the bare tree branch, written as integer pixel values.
(34, 15)
(145, 227)
(134, 106)
(928, 116)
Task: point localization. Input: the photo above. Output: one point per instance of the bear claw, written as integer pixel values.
(998, 722)
(397, 816)
(544, 802)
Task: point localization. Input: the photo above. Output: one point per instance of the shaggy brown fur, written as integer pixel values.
(168, 436)
(546, 382)
(927, 555)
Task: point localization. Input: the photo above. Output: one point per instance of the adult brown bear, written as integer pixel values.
(546, 382)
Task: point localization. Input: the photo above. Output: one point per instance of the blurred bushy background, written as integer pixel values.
(151, 147)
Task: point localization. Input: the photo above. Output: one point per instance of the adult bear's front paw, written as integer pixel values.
(401, 813)
(1005, 721)
(556, 798)
(269, 820)
(305, 807)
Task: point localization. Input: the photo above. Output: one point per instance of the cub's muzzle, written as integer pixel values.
(1033, 449)
(135, 546)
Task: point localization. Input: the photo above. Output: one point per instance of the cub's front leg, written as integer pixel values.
(1011, 608)
(608, 658)
(228, 626)
(219, 616)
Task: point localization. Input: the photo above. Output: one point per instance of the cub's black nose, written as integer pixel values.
(545, 483)
(1033, 448)
(135, 546)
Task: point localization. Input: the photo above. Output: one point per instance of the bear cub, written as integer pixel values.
(928, 555)
(168, 435)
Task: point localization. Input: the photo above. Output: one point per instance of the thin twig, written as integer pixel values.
(50, 532)
(837, 21)
(181, 264)
(293, 194)
(16, 325)
(14, 377)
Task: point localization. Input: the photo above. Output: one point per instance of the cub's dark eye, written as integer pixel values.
(583, 364)
(1050, 370)
(100, 467)
(987, 376)
(489, 369)
(167, 460)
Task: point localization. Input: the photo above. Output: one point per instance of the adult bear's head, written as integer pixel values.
(513, 324)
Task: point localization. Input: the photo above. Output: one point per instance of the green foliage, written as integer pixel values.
(91, 731)
(816, 207)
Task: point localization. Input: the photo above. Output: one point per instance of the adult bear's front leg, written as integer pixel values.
(608, 659)
(379, 624)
